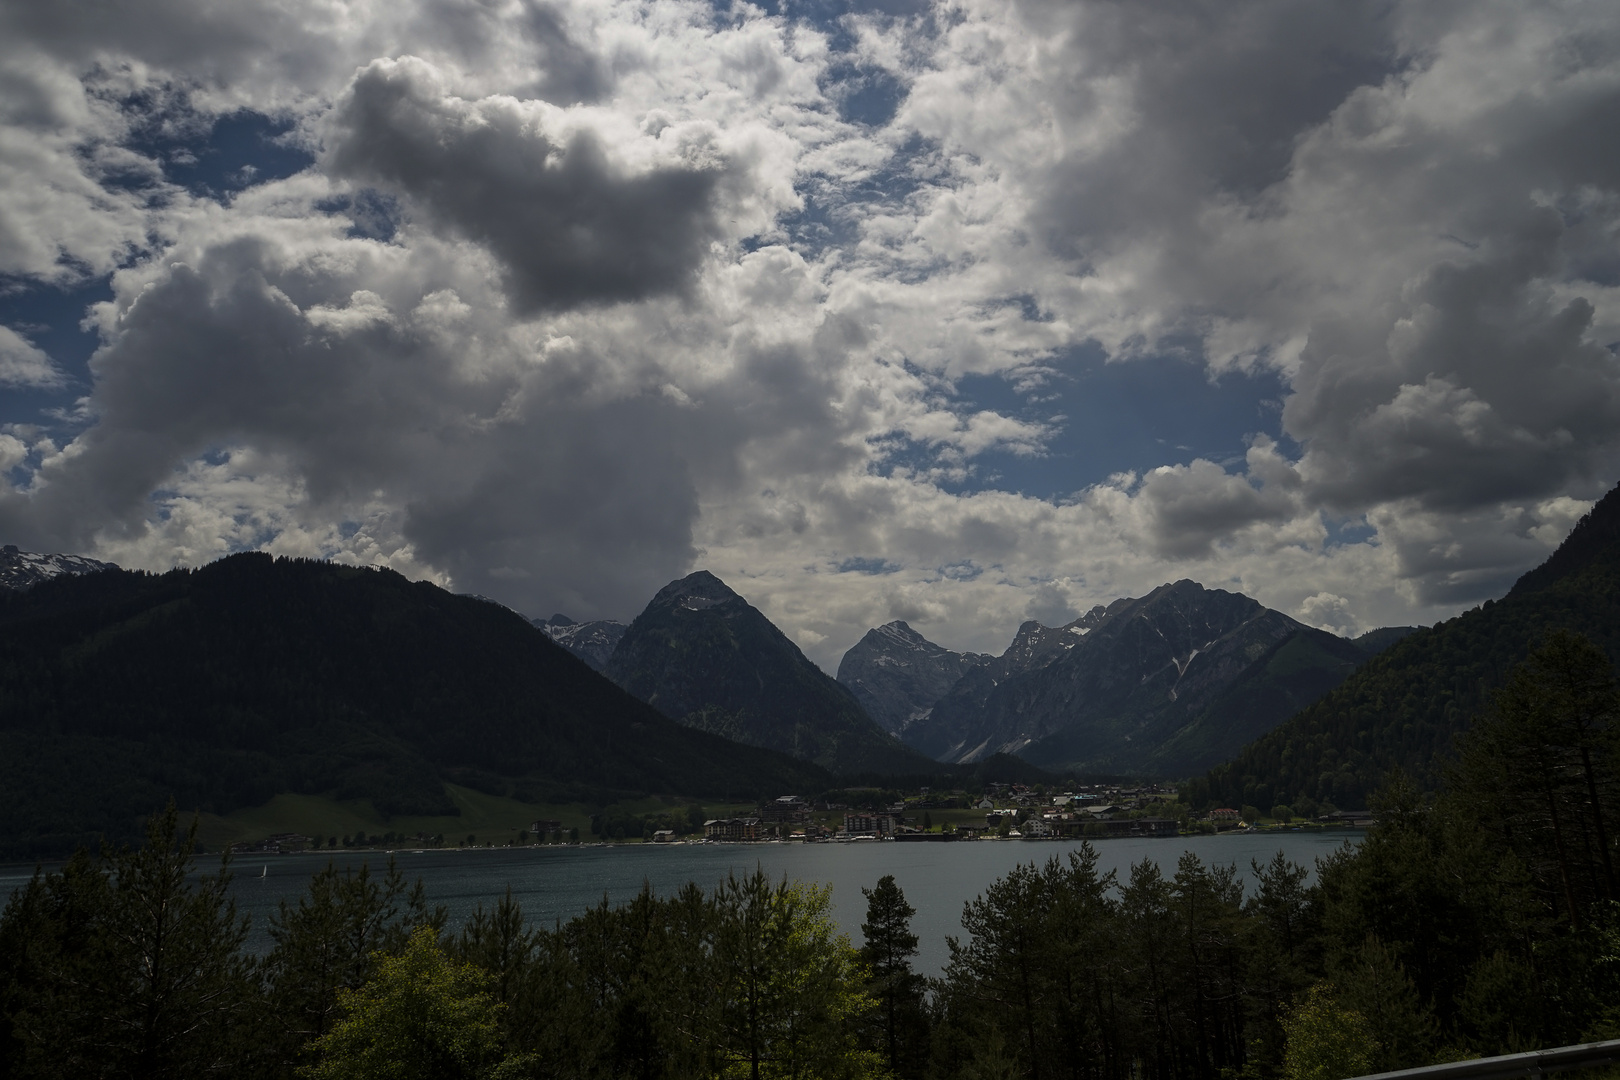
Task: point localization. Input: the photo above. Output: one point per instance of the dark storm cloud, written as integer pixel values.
(1189, 508)
(574, 502)
(1500, 393)
(217, 352)
(569, 227)
(1218, 93)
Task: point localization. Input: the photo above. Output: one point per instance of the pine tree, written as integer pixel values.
(1543, 771)
(137, 969)
(888, 949)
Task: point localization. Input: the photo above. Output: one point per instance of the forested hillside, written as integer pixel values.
(1406, 706)
(223, 686)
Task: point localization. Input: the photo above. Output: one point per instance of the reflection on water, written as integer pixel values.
(556, 883)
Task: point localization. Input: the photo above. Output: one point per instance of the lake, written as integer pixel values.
(557, 883)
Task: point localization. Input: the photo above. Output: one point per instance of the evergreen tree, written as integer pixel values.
(788, 987)
(135, 970)
(887, 952)
(1035, 980)
(1373, 984)
(1542, 770)
(1283, 953)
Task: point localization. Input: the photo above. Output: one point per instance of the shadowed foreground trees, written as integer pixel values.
(120, 966)
(1422, 943)
(422, 1016)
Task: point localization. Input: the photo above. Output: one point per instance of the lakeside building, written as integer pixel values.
(731, 829)
(871, 824)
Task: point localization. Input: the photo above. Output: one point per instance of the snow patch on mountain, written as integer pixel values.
(24, 569)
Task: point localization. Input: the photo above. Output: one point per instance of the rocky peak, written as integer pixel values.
(694, 592)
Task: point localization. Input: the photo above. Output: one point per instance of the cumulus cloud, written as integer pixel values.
(22, 364)
(569, 225)
(573, 298)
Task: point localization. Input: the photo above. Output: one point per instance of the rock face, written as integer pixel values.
(955, 729)
(1137, 686)
(703, 655)
(24, 569)
(897, 674)
(592, 642)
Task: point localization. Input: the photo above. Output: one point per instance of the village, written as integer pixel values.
(1001, 812)
(995, 812)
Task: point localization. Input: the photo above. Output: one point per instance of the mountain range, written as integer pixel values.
(254, 676)
(1166, 684)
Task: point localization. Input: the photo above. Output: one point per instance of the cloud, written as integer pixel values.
(1328, 612)
(24, 365)
(569, 225)
(576, 298)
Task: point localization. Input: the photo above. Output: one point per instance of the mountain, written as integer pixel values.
(1136, 673)
(1287, 677)
(24, 569)
(897, 674)
(592, 642)
(702, 655)
(953, 729)
(226, 685)
(1166, 684)
(1404, 707)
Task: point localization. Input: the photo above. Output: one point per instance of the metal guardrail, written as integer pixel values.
(1532, 1064)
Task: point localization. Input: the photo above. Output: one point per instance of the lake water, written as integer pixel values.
(557, 883)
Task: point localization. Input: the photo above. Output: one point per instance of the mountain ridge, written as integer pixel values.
(593, 642)
(1404, 708)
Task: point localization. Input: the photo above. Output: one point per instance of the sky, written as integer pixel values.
(961, 312)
